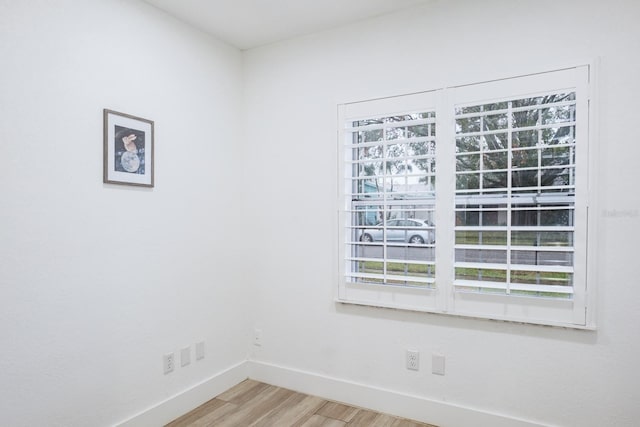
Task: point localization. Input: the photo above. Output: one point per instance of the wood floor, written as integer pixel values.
(254, 404)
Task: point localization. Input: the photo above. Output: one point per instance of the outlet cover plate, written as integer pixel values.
(168, 363)
(437, 364)
(185, 356)
(200, 350)
(413, 360)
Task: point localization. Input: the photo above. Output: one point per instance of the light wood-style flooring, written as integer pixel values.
(252, 404)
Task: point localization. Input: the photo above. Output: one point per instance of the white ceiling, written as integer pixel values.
(251, 23)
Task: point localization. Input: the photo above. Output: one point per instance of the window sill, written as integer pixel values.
(398, 307)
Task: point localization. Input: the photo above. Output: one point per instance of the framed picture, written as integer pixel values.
(128, 149)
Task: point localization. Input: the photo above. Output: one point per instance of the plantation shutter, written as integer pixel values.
(389, 186)
(520, 236)
(470, 200)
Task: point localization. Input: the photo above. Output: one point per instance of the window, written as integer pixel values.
(506, 225)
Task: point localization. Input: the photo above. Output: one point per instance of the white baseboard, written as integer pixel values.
(178, 405)
(404, 405)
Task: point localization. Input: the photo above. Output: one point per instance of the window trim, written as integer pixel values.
(440, 300)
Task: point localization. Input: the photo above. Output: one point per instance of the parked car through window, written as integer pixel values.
(413, 231)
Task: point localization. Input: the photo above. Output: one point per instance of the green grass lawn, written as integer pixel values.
(397, 267)
(471, 274)
(518, 238)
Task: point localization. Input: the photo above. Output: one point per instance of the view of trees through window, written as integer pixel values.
(514, 197)
(515, 191)
(471, 200)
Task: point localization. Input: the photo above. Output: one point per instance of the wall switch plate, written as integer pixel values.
(437, 364)
(185, 356)
(413, 360)
(200, 350)
(168, 362)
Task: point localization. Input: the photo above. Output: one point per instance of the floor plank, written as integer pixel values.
(256, 408)
(296, 409)
(255, 404)
(211, 419)
(338, 411)
(320, 421)
(196, 414)
(365, 418)
(244, 392)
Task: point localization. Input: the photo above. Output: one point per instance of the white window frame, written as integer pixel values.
(578, 312)
(409, 298)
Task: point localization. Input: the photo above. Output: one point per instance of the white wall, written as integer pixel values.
(98, 281)
(547, 375)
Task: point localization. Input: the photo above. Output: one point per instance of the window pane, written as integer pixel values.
(560, 114)
(555, 177)
(558, 135)
(481, 274)
(422, 148)
(413, 270)
(545, 217)
(370, 135)
(485, 217)
(468, 125)
(368, 188)
(467, 181)
(465, 237)
(468, 162)
(524, 159)
(542, 278)
(557, 217)
(527, 178)
(542, 258)
(525, 138)
(494, 180)
(394, 133)
(370, 168)
(418, 131)
(495, 122)
(542, 238)
(527, 118)
(495, 141)
(558, 156)
(497, 160)
(468, 144)
(369, 153)
(481, 256)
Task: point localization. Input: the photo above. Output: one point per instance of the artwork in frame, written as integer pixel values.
(128, 149)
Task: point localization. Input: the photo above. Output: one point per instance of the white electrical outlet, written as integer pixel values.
(200, 350)
(185, 356)
(169, 362)
(413, 360)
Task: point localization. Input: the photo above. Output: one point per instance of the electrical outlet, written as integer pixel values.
(413, 360)
(169, 362)
(200, 350)
(185, 356)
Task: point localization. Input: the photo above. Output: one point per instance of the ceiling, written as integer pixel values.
(250, 23)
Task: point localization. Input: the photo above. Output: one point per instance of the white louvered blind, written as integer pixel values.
(504, 233)
(515, 196)
(390, 182)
